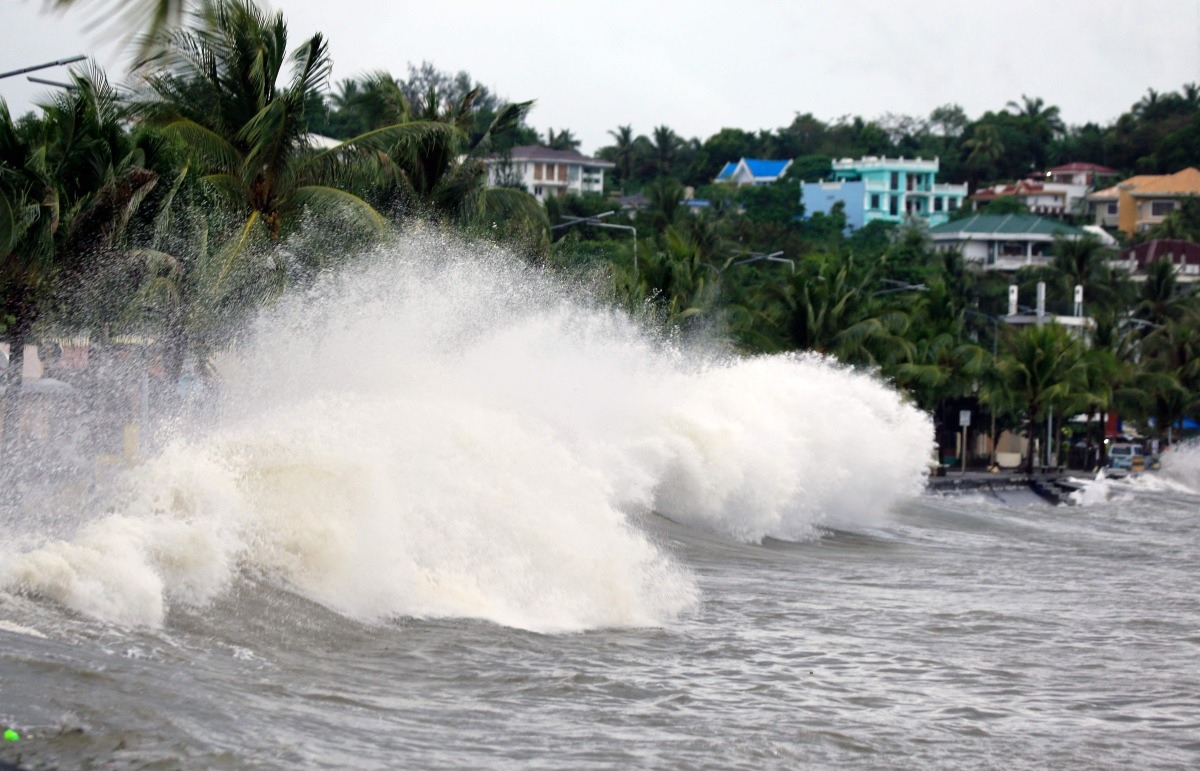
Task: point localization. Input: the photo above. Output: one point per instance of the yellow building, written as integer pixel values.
(1139, 203)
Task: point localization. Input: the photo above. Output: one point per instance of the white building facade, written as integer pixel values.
(545, 172)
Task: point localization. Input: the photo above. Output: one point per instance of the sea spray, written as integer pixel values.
(1181, 464)
(446, 432)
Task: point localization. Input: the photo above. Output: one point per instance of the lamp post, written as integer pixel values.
(995, 339)
(47, 65)
(899, 286)
(772, 257)
(594, 220)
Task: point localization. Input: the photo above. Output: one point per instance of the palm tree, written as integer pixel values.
(1042, 367)
(563, 140)
(941, 362)
(216, 87)
(1043, 118)
(676, 281)
(150, 18)
(69, 184)
(828, 306)
(666, 144)
(984, 148)
(624, 154)
(1084, 262)
(29, 220)
(1161, 301)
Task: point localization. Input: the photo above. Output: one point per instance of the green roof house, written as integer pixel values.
(1003, 242)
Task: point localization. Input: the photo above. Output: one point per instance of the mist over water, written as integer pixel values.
(444, 431)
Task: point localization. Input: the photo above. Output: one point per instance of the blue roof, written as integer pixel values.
(761, 168)
(727, 171)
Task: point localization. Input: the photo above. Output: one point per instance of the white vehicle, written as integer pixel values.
(1127, 456)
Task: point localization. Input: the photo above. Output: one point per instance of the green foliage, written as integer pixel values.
(777, 203)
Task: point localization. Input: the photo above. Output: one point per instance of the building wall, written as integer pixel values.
(543, 178)
(821, 197)
(897, 188)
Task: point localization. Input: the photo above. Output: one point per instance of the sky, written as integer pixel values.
(700, 66)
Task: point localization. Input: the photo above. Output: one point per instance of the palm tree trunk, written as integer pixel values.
(1087, 432)
(1103, 436)
(1030, 428)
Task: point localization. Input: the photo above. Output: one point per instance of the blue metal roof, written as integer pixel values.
(760, 168)
(727, 171)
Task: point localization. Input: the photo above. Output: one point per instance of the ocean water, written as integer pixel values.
(456, 513)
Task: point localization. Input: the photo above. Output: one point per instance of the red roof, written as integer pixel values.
(1095, 167)
(1021, 188)
(1179, 252)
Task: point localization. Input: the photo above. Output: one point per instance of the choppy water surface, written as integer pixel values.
(421, 537)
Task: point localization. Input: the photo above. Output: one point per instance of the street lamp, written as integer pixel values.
(47, 65)
(899, 286)
(594, 220)
(773, 257)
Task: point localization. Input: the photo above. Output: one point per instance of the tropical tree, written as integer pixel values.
(985, 148)
(1161, 301)
(216, 87)
(70, 182)
(1041, 367)
(623, 152)
(1084, 262)
(149, 18)
(563, 140)
(666, 147)
(942, 363)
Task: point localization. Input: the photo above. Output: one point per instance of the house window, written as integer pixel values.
(1161, 208)
(895, 181)
(537, 171)
(952, 204)
(874, 200)
(937, 203)
(1112, 208)
(537, 191)
(562, 173)
(894, 205)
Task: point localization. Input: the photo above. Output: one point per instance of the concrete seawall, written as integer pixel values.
(1052, 486)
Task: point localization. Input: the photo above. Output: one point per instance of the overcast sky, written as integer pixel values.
(699, 66)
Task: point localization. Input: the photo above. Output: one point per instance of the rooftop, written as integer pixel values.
(1186, 182)
(1093, 167)
(538, 153)
(1006, 224)
(761, 168)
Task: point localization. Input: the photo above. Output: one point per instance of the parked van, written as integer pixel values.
(1127, 456)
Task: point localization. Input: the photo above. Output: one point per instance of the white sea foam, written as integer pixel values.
(1093, 491)
(446, 433)
(1181, 465)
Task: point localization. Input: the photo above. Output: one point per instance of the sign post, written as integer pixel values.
(964, 420)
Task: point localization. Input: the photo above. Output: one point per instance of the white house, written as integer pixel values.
(545, 172)
(1051, 199)
(1003, 242)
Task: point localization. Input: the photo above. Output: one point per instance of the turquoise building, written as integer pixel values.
(887, 189)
